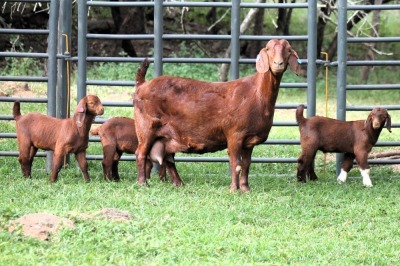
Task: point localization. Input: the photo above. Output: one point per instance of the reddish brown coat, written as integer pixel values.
(354, 138)
(194, 116)
(37, 131)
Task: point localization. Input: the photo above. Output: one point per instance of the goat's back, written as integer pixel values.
(331, 135)
(119, 132)
(41, 130)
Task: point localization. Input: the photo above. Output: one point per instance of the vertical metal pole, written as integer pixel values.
(342, 69)
(235, 34)
(52, 68)
(64, 27)
(64, 41)
(158, 37)
(312, 58)
(82, 48)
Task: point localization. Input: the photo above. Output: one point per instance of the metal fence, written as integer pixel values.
(59, 33)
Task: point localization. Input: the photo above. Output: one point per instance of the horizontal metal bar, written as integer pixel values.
(368, 63)
(370, 107)
(198, 4)
(373, 7)
(8, 135)
(373, 87)
(21, 54)
(119, 104)
(24, 31)
(24, 78)
(206, 159)
(372, 39)
(194, 37)
(27, 100)
(111, 83)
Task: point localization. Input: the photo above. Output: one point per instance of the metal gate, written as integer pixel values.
(59, 38)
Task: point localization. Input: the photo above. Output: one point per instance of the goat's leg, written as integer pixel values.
(149, 167)
(362, 161)
(56, 166)
(108, 160)
(305, 166)
(141, 161)
(347, 164)
(173, 172)
(162, 172)
(301, 169)
(24, 159)
(115, 173)
(83, 165)
(234, 152)
(244, 176)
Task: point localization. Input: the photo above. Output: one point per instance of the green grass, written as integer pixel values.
(278, 222)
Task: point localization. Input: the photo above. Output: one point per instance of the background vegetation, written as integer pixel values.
(279, 222)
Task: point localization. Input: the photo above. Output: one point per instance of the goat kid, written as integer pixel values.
(193, 116)
(37, 131)
(118, 135)
(353, 138)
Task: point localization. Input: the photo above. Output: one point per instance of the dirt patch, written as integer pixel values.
(40, 225)
(15, 89)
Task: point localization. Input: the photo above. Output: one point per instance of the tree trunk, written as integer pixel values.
(128, 20)
(366, 70)
(283, 20)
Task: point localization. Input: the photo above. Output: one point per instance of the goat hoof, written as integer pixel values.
(233, 188)
(368, 185)
(244, 188)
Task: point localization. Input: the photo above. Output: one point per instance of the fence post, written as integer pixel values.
(52, 68)
(312, 58)
(158, 37)
(342, 69)
(235, 34)
(82, 48)
(64, 29)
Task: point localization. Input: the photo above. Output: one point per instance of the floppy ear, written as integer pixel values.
(389, 123)
(80, 113)
(262, 64)
(294, 62)
(368, 121)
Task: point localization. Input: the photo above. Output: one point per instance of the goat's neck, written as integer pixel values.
(269, 87)
(373, 134)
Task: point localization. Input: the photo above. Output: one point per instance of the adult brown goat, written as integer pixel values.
(353, 138)
(37, 131)
(118, 135)
(194, 116)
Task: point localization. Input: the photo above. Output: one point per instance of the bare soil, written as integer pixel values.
(42, 225)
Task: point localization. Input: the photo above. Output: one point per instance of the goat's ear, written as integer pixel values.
(262, 64)
(80, 114)
(294, 63)
(389, 123)
(368, 121)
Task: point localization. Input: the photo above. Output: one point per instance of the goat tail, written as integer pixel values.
(299, 114)
(16, 110)
(141, 73)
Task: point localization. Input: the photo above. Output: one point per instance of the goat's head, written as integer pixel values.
(378, 117)
(90, 104)
(276, 56)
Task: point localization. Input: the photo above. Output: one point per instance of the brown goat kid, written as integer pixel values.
(354, 138)
(193, 116)
(37, 131)
(118, 135)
